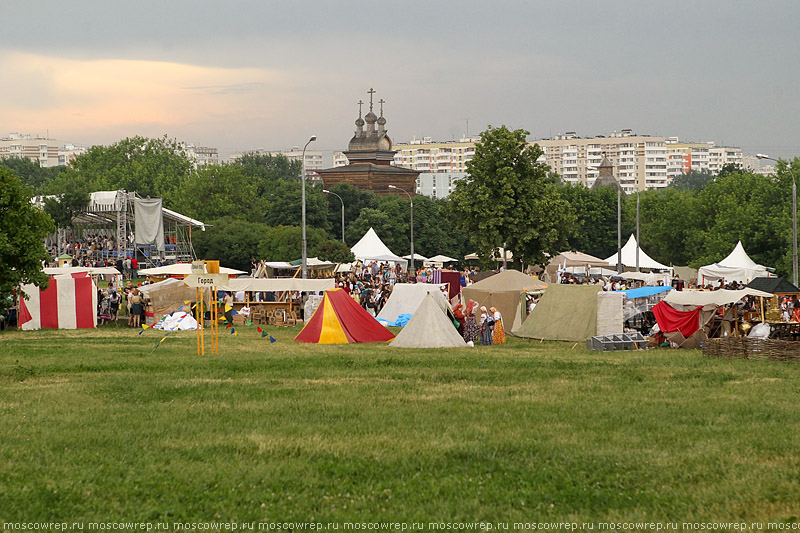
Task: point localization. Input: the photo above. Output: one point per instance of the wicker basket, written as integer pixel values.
(747, 348)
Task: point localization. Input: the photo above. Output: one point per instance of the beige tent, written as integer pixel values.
(503, 292)
(407, 297)
(573, 259)
(429, 327)
(564, 313)
(167, 296)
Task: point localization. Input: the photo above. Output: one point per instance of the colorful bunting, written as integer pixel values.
(272, 339)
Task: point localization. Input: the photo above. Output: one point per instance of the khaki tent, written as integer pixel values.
(167, 296)
(503, 292)
(429, 327)
(564, 313)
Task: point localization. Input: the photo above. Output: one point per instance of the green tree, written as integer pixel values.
(31, 173)
(69, 197)
(387, 229)
(509, 198)
(595, 229)
(23, 228)
(218, 191)
(355, 200)
(695, 180)
(285, 243)
(267, 170)
(232, 241)
(333, 251)
(151, 167)
(285, 206)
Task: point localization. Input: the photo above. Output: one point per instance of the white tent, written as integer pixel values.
(417, 257)
(180, 269)
(442, 259)
(716, 298)
(407, 297)
(736, 267)
(429, 327)
(371, 248)
(629, 257)
(497, 255)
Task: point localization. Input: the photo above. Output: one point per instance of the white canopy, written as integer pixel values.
(417, 257)
(441, 259)
(721, 297)
(629, 257)
(371, 248)
(736, 267)
(180, 269)
(279, 284)
(497, 255)
(92, 271)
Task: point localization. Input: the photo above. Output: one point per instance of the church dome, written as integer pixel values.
(381, 121)
(360, 122)
(371, 118)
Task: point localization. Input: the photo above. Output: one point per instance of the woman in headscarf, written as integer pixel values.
(472, 332)
(499, 335)
(458, 313)
(486, 327)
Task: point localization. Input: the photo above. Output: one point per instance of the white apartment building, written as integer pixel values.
(426, 156)
(438, 184)
(68, 153)
(201, 155)
(640, 161)
(700, 156)
(40, 149)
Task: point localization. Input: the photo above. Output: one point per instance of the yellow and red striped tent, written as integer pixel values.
(340, 320)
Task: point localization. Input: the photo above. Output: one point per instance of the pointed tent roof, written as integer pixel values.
(629, 257)
(407, 297)
(508, 280)
(340, 320)
(736, 267)
(371, 248)
(605, 175)
(429, 327)
(739, 258)
(442, 259)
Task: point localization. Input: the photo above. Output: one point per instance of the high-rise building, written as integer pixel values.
(36, 148)
(202, 155)
(639, 161)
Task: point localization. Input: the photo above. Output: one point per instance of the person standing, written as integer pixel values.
(227, 307)
(472, 331)
(135, 300)
(499, 334)
(487, 323)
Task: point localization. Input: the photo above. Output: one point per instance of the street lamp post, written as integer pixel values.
(326, 191)
(303, 189)
(794, 217)
(412, 271)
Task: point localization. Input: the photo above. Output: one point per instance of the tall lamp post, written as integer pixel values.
(412, 271)
(303, 188)
(794, 217)
(326, 191)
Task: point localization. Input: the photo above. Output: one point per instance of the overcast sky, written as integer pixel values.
(267, 74)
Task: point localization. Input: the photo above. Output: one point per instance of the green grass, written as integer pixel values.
(98, 426)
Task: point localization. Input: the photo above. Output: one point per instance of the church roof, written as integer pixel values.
(606, 175)
(365, 168)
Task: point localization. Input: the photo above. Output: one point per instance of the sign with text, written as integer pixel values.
(205, 280)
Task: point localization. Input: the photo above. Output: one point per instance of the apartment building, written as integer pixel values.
(36, 148)
(202, 155)
(438, 184)
(640, 161)
(426, 156)
(700, 156)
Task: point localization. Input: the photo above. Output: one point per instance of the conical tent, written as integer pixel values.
(371, 248)
(736, 267)
(503, 291)
(629, 257)
(407, 297)
(340, 320)
(429, 327)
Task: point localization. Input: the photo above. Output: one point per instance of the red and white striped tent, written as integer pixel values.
(69, 302)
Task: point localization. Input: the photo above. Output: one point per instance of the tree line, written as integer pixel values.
(253, 206)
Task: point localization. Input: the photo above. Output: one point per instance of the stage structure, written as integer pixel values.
(141, 228)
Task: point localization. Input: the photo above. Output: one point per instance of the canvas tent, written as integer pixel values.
(503, 292)
(774, 285)
(736, 267)
(574, 262)
(69, 302)
(429, 327)
(340, 320)
(371, 248)
(181, 269)
(574, 313)
(166, 297)
(407, 297)
(629, 257)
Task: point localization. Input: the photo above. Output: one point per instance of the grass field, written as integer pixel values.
(98, 426)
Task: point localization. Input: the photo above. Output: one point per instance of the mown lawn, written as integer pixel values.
(99, 426)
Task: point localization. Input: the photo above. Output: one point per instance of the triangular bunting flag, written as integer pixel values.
(272, 339)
